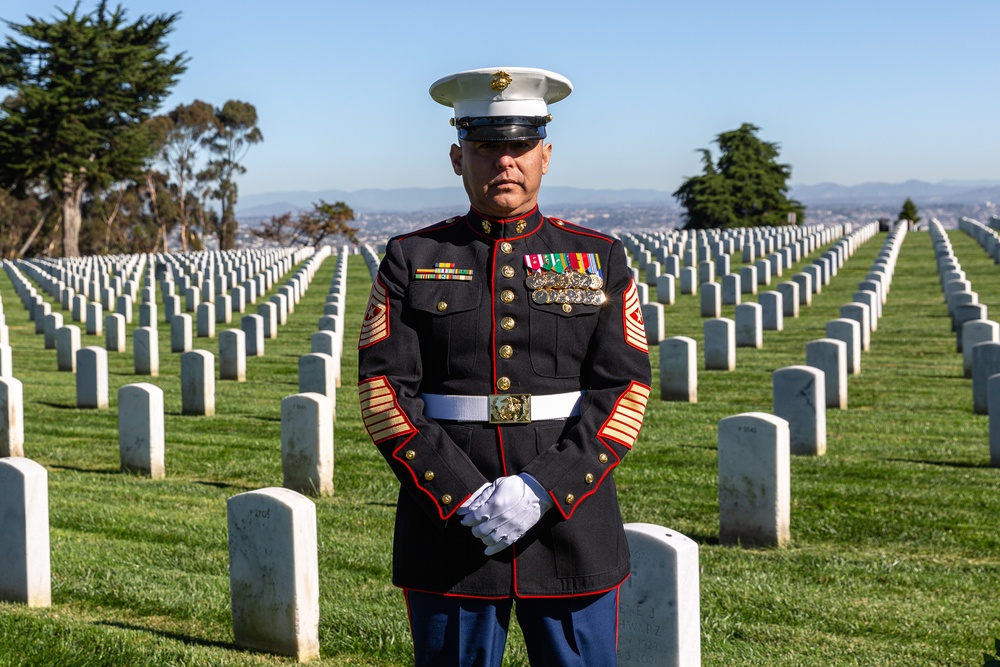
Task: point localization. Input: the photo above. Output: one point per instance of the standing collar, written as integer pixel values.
(504, 228)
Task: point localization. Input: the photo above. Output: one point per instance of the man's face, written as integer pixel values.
(501, 177)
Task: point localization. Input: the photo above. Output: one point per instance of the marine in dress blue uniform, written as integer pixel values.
(503, 375)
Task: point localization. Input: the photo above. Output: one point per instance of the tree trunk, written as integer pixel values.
(31, 237)
(72, 217)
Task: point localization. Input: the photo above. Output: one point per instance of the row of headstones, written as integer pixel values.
(370, 256)
(723, 335)
(747, 281)
(753, 242)
(754, 448)
(66, 339)
(800, 394)
(90, 365)
(266, 269)
(274, 572)
(985, 236)
(977, 337)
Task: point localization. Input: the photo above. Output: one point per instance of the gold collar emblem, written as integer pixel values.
(486, 226)
(500, 81)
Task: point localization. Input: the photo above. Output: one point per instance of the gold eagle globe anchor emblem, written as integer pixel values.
(500, 81)
(510, 408)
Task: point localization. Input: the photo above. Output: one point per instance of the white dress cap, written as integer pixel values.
(508, 92)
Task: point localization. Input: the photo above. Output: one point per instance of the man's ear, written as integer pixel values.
(546, 156)
(456, 159)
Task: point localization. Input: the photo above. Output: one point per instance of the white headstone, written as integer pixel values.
(11, 418)
(146, 351)
(679, 369)
(198, 383)
(274, 572)
(848, 331)
(689, 280)
(206, 320)
(233, 355)
(973, 333)
(269, 311)
(985, 364)
(665, 289)
(180, 333)
(711, 300)
(307, 443)
(95, 319)
(749, 325)
(659, 605)
(859, 313)
(652, 317)
(830, 356)
(799, 394)
(67, 344)
(114, 332)
(720, 344)
(140, 429)
(253, 327)
(53, 322)
(993, 401)
(754, 480)
(790, 298)
(92, 378)
(772, 315)
(731, 289)
(25, 576)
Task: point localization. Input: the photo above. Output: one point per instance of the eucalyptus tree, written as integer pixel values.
(235, 132)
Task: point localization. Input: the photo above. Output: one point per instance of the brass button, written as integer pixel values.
(410, 455)
(446, 499)
(507, 323)
(503, 383)
(506, 351)
(507, 296)
(507, 271)
(570, 498)
(506, 248)
(603, 458)
(567, 308)
(429, 475)
(442, 306)
(588, 478)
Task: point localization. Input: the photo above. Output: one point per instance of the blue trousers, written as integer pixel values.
(471, 632)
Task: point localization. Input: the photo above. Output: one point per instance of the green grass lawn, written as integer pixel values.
(895, 553)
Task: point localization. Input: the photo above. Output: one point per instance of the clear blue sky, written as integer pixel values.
(880, 90)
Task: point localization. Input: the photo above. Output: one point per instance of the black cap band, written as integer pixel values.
(501, 128)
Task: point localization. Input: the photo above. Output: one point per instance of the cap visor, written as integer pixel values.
(502, 133)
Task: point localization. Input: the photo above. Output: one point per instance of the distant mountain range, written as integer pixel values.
(406, 200)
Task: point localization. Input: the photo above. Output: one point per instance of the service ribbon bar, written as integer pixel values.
(443, 271)
(561, 262)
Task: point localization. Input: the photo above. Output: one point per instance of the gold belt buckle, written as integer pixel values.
(510, 408)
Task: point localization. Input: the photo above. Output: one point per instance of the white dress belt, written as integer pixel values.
(477, 408)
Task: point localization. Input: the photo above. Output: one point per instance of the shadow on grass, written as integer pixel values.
(58, 406)
(97, 471)
(264, 419)
(944, 464)
(185, 639)
(224, 485)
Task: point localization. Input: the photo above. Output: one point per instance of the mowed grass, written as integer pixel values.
(895, 554)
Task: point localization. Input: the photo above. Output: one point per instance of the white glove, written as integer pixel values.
(476, 499)
(504, 513)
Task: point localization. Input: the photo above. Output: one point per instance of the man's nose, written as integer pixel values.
(505, 159)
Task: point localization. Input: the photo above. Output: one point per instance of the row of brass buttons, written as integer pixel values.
(410, 454)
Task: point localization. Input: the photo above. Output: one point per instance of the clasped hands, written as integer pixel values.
(501, 512)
